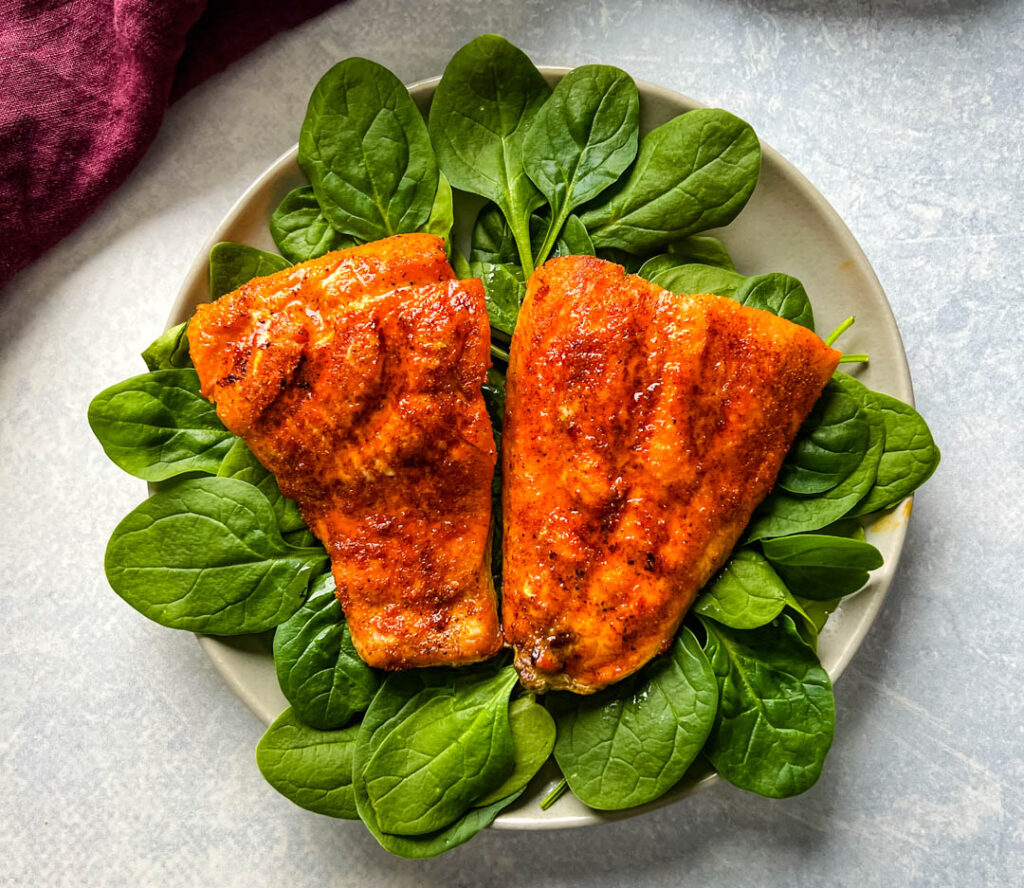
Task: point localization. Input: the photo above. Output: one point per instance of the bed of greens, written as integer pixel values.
(427, 758)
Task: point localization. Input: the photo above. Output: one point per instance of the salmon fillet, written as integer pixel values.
(642, 428)
(355, 378)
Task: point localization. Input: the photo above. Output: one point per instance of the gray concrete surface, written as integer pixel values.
(124, 759)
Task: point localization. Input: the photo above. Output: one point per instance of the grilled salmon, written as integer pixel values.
(642, 428)
(355, 378)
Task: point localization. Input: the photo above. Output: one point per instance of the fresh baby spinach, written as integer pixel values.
(494, 398)
(365, 149)
(301, 230)
(533, 736)
(311, 768)
(631, 743)
(505, 290)
(583, 138)
(432, 743)
(744, 594)
(157, 425)
(908, 458)
(318, 668)
(821, 567)
(232, 265)
(574, 239)
(776, 713)
(491, 240)
(830, 445)
(689, 278)
(693, 173)
(206, 555)
(169, 351)
(442, 211)
(632, 264)
(784, 513)
(702, 249)
(779, 294)
(483, 107)
(241, 463)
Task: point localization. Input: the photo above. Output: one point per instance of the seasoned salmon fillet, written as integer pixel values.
(642, 428)
(355, 378)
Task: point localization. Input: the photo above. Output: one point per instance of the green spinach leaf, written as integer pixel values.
(693, 173)
(483, 107)
(691, 278)
(702, 249)
(533, 735)
(505, 291)
(779, 294)
(365, 149)
(584, 137)
(631, 743)
(821, 567)
(318, 668)
(829, 446)
(169, 351)
(492, 241)
(783, 513)
(301, 230)
(776, 713)
(431, 744)
(232, 265)
(206, 555)
(241, 463)
(744, 594)
(311, 768)
(442, 211)
(494, 397)
(157, 425)
(908, 458)
(574, 240)
(632, 264)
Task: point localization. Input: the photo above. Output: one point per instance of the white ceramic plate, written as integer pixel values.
(787, 226)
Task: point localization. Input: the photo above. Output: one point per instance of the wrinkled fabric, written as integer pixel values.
(84, 85)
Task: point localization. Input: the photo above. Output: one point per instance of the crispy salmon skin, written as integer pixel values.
(642, 428)
(355, 378)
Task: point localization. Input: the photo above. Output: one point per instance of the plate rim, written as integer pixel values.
(896, 521)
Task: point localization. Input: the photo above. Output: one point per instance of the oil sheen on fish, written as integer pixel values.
(355, 378)
(642, 428)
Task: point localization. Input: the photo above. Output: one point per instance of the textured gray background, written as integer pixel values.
(123, 757)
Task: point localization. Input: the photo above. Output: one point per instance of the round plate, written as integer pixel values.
(787, 226)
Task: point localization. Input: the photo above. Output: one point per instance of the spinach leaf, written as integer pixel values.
(505, 291)
(483, 107)
(431, 743)
(745, 594)
(311, 768)
(300, 229)
(241, 463)
(631, 743)
(779, 294)
(318, 668)
(908, 458)
(632, 264)
(829, 446)
(821, 567)
(157, 425)
(776, 713)
(442, 211)
(691, 278)
(583, 138)
(702, 249)
(232, 265)
(574, 240)
(459, 264)
(533, 735)
(693, 173)
(169, 351)
(783, 513)
(206, 555)
(492, 241)
(365, 149)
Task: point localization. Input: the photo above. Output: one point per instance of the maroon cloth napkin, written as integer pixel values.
(83, 87)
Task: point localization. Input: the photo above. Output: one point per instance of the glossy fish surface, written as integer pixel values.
(642, 428)
(355, 378)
